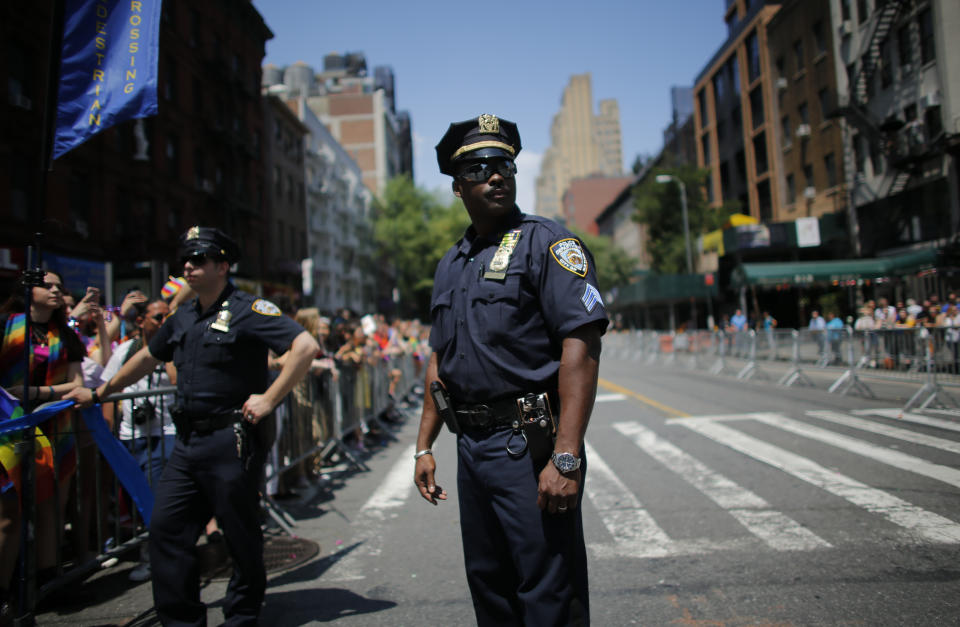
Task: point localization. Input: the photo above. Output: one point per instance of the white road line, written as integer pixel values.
(634, 531)
(928, 525)
(881, 454)
(779, 531)
(389, 496)
(920, 419)
(886, 430)
(606, 398)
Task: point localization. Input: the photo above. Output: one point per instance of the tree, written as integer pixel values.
(613, 265)
(659, 208)
(413, 229)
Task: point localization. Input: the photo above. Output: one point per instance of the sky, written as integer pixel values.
(455, 60)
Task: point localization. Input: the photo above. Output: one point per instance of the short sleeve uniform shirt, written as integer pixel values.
(218, 370)
(502, 336)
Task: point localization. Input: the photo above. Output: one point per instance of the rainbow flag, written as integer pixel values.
(10, 472)
(171, 287)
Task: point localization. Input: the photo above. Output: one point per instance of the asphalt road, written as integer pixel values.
(708, 502)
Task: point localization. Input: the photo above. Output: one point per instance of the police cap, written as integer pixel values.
(209, 241)
(480, 138)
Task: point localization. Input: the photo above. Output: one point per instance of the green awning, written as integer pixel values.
(653, 289)
(828, 271)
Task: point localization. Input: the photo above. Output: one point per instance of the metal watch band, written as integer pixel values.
(420, 454)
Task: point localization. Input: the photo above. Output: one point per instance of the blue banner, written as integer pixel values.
(108, 67)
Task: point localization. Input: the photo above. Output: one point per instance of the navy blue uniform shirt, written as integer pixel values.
(218, 370)
(496, 338)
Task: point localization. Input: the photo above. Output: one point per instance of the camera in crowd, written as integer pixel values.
(143, 411)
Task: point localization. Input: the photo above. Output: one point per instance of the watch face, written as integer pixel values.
(565, 462)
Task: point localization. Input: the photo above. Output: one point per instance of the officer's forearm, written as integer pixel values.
(135, 369)
(295, 367)
(577, 382)
(430, 421)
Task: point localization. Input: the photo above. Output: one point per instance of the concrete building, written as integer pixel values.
(734, 126)
(898, 74)
(120, 200)
(809, 147)
(339, 264)
(679, 139)
(581, 144)
(286, 202)
(358, 109)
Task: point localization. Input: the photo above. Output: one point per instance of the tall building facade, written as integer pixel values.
(120, 200)
(733, 114)
(898, 73)
(357, 108)
(581, 144)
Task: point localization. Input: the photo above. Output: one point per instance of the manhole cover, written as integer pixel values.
(279, 553)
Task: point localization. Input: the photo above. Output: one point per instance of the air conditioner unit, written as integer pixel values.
(803, 130)
(930, 100)
(810, 192)
(846, 27)
(19, 100)
(782, 83)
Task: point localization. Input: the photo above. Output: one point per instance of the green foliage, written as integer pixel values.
(413, 229)
(614, 265)
(659, 208)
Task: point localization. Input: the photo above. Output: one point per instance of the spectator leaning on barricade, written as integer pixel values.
(145, 424)
(55, 369)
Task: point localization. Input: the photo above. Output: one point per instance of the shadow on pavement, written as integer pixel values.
(299, 607)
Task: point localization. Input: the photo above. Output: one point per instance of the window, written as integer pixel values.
(760, 153)
(735, 74)
(756, 107)
(791, 189)
(927, 51)
(718, 91)
(737, 117)
(753, 56)
(702, 101)
(825, 107)
(724, 179)
(830, 164)
(741, 160)
(819, 41)
(781, 67)
(862, 11)
(721, 132)
(808, 176)
(705, 144)
(798, 54)
(786, 130)
(804, 113)
(765, 201)
(933, 122)
(845, 9)
(903, 46)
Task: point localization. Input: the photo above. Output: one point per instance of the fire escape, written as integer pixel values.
(892, 137)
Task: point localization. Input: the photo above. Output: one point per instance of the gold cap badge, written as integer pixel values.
(489, 124)
(193, 233)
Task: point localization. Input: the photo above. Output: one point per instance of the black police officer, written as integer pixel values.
(218, 343)
(515, 311)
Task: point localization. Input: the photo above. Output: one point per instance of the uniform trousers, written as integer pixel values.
(203, 478)
(524, 566)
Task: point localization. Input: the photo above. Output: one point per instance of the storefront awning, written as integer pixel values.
(828, 271)
(654, 289)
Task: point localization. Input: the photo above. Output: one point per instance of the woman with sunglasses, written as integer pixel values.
(54, 369)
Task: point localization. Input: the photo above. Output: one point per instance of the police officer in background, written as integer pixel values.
(218, 343)
(517, 321)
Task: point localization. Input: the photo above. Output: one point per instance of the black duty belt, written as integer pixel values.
(486, 417)
(209, 424)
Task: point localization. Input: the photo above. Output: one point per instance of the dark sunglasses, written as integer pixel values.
(158, 317)
(195, 260)
(482, 170)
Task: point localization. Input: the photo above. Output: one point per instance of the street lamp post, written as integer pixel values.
(669, 178)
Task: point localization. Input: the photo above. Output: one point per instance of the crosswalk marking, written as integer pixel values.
(886, 430)
(753, 512)
(927, 525)
(920, 419)
(872, 451)
(389, 496)
(634, 531)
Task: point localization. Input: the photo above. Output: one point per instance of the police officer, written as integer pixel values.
(218, 342)
(516, 316)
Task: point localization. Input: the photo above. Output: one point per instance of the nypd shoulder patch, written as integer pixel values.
(265, 307)
(591, 298)
(569, 254)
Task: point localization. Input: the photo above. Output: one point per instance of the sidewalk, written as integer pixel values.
(108, 598)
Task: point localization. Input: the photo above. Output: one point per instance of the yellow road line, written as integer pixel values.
(613, 387)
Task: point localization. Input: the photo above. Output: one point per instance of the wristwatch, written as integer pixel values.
(565, 462)
(94, 396)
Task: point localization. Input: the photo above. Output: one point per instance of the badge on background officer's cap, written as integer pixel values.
(481, 137)
(209, 241)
